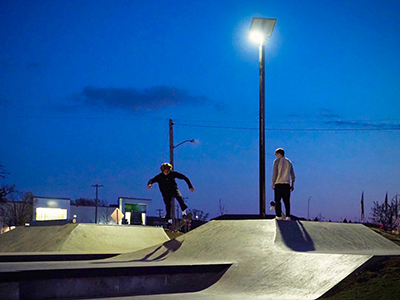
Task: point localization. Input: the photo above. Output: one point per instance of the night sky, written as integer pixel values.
(87, 89)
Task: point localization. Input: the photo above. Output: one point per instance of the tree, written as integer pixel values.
(88, 202)
(105, 215)
(221, 208)
(3, 173)
(199, 215)
(385, 215)
(16, 212)
(6, 190)
(319, 218)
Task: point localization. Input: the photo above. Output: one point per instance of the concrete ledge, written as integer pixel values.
(30, 257)
(108, 282)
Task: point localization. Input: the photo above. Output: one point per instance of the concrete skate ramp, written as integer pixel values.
(81, 238)
(335, 238)
(270, 259)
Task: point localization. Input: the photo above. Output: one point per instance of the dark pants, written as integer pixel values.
(282, 191)
(168, 202)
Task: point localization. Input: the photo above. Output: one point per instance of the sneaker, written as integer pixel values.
(169, 225)
(287, 218)
(169, 221)
(278, 218)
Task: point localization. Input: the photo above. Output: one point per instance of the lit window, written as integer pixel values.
(45, 214)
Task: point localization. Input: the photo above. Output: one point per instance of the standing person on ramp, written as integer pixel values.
(169, 188)
(282, 182)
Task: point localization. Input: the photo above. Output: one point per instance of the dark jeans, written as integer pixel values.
(282, 191)
(168, 202)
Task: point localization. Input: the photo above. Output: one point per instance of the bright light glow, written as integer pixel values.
(128, 216)
(52, 204)
(261, 29)
(257, 37)
(143, 219)
(46, 214)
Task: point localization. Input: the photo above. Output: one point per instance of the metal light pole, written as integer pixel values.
(308, 211)
(260, 29)
(262, 128)
(171, 159)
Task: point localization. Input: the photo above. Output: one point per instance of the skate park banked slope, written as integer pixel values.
(81, 238)
(333, 238)
(247, 259)
(270, 259)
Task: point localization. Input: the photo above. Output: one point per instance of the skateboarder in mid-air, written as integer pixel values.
(169, 188)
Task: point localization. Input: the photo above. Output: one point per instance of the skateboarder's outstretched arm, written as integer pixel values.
(151, 181)
(183, 177)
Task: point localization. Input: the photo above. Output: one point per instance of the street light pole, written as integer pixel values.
(262, 128)
(308, 210)
(260, 30)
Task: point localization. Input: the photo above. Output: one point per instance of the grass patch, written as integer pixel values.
(380, 280)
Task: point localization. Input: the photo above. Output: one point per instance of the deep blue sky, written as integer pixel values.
(87, 88)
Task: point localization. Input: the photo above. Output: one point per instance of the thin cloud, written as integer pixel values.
(331, 121)
(154, 98)
(381, 125)
(320, 114)
(337, 121)
(327, 113)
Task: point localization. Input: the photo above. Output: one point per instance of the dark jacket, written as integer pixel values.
(167, 184)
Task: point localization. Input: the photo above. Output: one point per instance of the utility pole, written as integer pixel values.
(171, 161)
(97, 186)
(159, 212)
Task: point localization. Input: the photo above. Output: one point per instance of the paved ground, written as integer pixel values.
(81, 238)
(272, 259)
(265, 259)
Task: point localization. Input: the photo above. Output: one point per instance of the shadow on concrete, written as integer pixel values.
(166, 248)
(161, 251)
(293, 235)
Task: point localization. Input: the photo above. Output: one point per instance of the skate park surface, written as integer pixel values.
(242, 259)
(81, 238)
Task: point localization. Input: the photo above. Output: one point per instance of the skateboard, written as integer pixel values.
(184, 220)
(272, 204)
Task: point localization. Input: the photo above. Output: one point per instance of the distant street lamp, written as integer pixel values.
(308, 211)
(260, 30)
(187, 141)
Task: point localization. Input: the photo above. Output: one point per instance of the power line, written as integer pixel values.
(380, 127)
(294, 129)
(83, 118)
